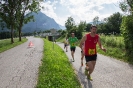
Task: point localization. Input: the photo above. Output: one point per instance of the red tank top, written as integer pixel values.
(90, 45)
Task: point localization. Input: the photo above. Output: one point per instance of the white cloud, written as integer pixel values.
(84, 10)
(49, 9)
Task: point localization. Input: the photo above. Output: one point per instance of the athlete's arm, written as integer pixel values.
(69, 40)
(100, 45)
(76, 40)
(82, 41)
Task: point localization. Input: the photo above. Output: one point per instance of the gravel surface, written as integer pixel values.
(108, 73)
(19, 65)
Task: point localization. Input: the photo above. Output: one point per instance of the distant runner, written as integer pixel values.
(66, 44)
(72, 41)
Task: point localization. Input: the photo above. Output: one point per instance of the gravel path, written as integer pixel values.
(108, 73)
(19, 65)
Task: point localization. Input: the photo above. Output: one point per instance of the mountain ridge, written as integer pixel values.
(42, 22)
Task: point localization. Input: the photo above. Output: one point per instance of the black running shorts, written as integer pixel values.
(65, 45)
(91, 58)
(72, 48)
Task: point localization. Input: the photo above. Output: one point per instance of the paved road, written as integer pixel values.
(19, 65)
(108, 73)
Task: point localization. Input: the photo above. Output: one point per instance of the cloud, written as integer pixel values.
(84, 10)
(49, 9)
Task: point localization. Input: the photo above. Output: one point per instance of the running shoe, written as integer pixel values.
(89, 77)
(73, 60)
(86, 72)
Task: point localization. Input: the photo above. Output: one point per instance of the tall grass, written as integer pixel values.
(56, 71)
(113, 41)
(115, 47)
(6, 43)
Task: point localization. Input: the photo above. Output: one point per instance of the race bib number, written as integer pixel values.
(73, 44)
(91, 51)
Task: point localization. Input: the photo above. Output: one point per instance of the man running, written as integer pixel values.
(72, 41)
(65, 44)
(90, 40)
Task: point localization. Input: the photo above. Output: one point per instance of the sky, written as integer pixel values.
(79, 10)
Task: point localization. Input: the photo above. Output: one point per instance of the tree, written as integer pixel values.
(7, 14)
(59, 31)
(69, 23)
(88, 26)
(81, 28)
(96, 20)
(114, 21)
(127, 32)
(127, 6)
(111, 24)
(73, 30)
(13, 13)
(22, 7)
(127, 27)
(63, 33)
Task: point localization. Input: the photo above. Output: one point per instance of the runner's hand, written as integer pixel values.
(104, 49)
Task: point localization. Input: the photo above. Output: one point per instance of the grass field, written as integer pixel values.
(56, 71)
(6, 43)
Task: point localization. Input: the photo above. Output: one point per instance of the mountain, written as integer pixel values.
(62, 27)
(42, 22)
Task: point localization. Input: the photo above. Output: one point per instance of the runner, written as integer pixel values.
(82, 55)
(66, 44)
(72, 41)
(90, 40)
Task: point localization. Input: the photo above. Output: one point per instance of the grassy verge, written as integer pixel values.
(6, 43)
(56, 71)
(115, 48)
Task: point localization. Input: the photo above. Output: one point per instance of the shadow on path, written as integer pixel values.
(84, 81)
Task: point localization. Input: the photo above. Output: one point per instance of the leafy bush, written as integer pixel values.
(127, 32)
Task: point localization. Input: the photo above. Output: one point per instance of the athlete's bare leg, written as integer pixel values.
(82, 56)
(90, 66)
(66, 48)
(72, 53)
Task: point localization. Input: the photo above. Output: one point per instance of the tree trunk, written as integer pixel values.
(20, 27)
(12, 41)
(19, 34)
(19, 30)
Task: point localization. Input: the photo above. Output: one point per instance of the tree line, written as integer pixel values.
(116, 24)
(107, 26)
(12, 14)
